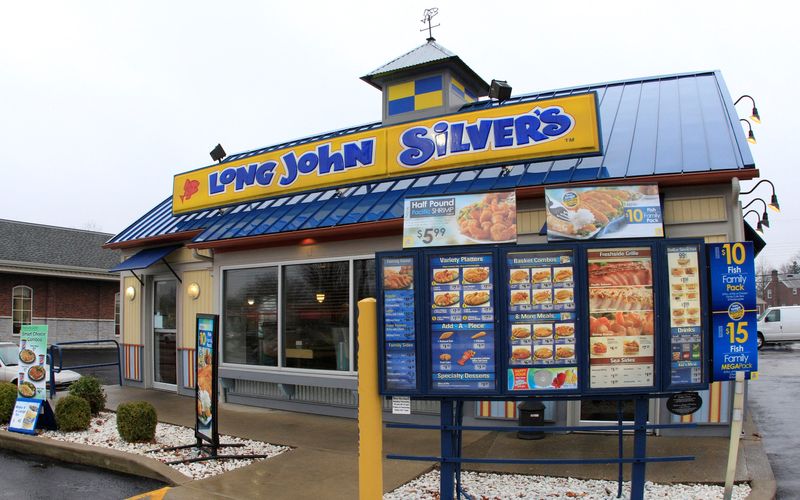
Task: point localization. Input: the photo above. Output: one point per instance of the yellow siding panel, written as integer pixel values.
(132, 313)
(530, 221)
(682, 211)
(716, 238)
(184, 255)
(202, 304)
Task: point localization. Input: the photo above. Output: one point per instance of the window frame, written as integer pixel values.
(281, 368)
(769, 293)
(13, 309)
(117, 314)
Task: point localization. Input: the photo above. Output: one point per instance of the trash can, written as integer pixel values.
(531, 413)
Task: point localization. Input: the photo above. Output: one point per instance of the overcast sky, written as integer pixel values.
(101, 103)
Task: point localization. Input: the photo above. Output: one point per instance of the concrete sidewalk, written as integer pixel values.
(324, 460)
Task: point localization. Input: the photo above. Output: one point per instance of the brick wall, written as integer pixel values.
(62, 297)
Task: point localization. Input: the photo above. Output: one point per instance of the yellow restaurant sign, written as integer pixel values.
(564, 126)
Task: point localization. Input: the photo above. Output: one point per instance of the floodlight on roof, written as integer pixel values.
(218, 154)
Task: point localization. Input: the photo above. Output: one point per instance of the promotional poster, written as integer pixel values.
(32, 367)
(595, 213)
(469, 219)
(206, 366)
(733, 305)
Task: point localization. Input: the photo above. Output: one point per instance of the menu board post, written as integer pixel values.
(733, 306)
(206, 375)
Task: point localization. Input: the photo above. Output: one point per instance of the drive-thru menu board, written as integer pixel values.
(462, 323)
(621, 317)
(686, 332)
(541, 321)
(399, 324)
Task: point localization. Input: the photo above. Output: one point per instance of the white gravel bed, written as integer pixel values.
(485, 486)
(103, 432)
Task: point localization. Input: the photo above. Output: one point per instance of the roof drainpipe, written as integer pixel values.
(736, 210)
(197, 255)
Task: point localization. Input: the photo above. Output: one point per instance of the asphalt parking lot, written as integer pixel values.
(774, 401)
(107, 375)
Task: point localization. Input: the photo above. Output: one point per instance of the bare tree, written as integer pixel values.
(763, 277)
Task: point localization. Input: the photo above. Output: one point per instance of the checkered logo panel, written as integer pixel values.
(415, 95)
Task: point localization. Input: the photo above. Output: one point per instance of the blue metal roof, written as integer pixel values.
(144, 258)
(653, 126)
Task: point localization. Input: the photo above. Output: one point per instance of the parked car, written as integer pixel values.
(9, 360)
(779, 324)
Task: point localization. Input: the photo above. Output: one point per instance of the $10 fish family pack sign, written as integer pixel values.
(566, 126)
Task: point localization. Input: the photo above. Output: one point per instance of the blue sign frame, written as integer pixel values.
(422, 296)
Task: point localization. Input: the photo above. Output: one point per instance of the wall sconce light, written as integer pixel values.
(250, 301)
(320, 297)
(765, 215)
(193, 290)
(754, 114)
(130, 293)
(751, 138)
(759, 226)
(773, 204)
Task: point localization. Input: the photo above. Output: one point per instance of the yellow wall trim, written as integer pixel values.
(688, 210)
(132, 312)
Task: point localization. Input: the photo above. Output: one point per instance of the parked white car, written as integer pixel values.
(779, 324)
(9, 361)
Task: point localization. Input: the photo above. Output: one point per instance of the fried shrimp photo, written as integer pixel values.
(494, 218)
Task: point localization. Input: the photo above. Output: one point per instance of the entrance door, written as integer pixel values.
(164, 335)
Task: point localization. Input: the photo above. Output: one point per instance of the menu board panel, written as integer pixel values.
(686, 329)
(462, 323)
(399, 326)
(621, 317)
(541, 321)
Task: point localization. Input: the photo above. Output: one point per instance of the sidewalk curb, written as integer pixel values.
(93, 456)
(757, 463)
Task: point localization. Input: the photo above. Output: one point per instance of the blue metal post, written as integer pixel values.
(447, 477)
(639, 448)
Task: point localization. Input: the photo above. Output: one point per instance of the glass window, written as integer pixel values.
(316, 321)
(164, 309)
(9, 355)
(250, 316)
(116, 314)
(21, 307)
(769, 294)
(774, 315)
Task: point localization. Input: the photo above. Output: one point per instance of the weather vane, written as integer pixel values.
(427, 16)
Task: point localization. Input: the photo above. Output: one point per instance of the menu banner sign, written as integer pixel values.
(32, 367)
(686, 329)
(733, 306)
(25, 415)
(468, 219)
(206, 390)
(621, 318)
(606, 212)
(541, 321)
(399, 324)
(462, 323)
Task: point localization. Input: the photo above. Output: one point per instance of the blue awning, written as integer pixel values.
(144, 258)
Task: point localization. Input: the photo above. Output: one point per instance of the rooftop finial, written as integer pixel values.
(427, 16)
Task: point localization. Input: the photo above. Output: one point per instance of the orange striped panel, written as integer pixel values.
(715, 396)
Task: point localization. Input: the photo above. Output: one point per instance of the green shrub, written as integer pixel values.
(136, 421)
(88, 388)
(8, 398)
(73, 414)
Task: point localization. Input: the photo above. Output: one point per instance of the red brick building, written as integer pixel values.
(58, 277)
(782, 290)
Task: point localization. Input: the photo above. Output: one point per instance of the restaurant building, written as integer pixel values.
(285, 261)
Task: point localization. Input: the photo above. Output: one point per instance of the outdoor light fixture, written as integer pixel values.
(218, 154)
(759, 227)
(250, 301)
(754, 114)
(130, 293)
(320, 297)
(500, 90)
(773, 204)
(765, 215)
(193, 290)
(751, 138)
